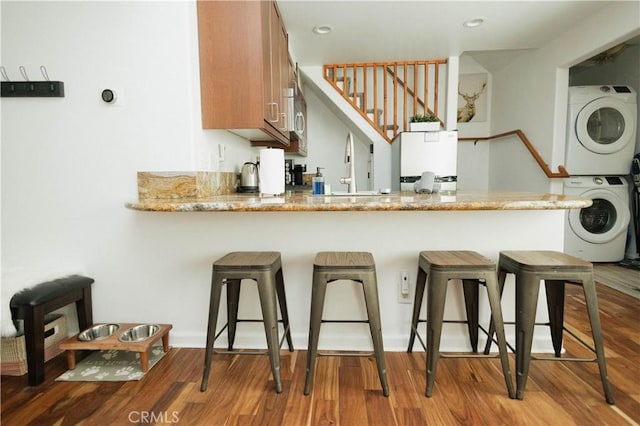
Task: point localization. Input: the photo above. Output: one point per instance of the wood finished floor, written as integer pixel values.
(347, 391)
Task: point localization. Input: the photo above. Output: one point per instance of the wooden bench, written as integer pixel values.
(32, 304)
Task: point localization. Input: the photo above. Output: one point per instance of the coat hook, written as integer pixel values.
(43, 70)
(23, 71)
(3, 72)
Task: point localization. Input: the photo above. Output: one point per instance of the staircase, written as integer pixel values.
(388, 94)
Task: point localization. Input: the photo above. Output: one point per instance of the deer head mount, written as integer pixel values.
(468, 111)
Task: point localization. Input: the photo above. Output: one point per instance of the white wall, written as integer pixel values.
(69, 164)
(473, 158)
(531, 94)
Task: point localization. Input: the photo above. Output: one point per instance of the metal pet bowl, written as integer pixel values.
(98, 332)
(139, 333)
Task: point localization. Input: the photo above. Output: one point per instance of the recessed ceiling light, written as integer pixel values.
(473, 23)
(322, 29)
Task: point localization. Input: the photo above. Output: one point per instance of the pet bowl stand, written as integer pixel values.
(72, 344)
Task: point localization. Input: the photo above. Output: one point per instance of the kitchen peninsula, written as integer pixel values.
(403, 201)
(393, 227)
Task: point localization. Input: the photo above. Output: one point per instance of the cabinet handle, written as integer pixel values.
(284, 122)
(300, 119)
(277, 114)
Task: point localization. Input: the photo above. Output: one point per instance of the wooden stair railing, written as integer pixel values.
(417, 100)
(562, 172)
(391, 114)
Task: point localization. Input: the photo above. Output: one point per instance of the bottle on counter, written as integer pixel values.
(318, 182)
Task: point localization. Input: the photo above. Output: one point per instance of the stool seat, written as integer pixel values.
(435, 270)
(556, 269)
(248, 261)
(543, 261)
(34, 303)
(332, 266)
(265, 268)
(336, 260)
(454, 260)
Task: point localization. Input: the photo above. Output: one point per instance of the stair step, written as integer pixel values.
(341, 85)
(370, 110)
(376, 119)
(358, 99)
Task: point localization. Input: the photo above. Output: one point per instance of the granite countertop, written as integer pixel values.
(400, 201)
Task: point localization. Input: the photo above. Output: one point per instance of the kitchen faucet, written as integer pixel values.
(349, 158)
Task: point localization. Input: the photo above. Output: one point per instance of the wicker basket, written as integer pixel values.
(14, 353)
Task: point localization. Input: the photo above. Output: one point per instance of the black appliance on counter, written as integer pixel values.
(298, 174)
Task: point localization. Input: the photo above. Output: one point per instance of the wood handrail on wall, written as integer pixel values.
(562, 172)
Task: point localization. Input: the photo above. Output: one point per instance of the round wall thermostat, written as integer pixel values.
(109, 96)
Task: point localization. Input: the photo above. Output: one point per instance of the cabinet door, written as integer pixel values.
(230, 53)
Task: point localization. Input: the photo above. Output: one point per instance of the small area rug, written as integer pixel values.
(111, 366)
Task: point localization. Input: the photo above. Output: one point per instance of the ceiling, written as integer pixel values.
(367, 31)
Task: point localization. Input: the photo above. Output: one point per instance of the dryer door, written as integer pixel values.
(603, 221)
(605, 125)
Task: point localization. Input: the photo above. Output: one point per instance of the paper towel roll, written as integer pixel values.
(271, 173)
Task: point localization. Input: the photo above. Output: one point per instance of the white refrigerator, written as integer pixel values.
(419, 152)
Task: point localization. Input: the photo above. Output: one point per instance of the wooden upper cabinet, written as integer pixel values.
(241, 82)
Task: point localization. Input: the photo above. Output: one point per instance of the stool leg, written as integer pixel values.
(502, 275)
(527, 290)
(84, 309)
(214, 306)
(436, 296)
(267, 294)
(282, 300)
(591, 299)
(34, 343)
(493, 292)
(318, 292)
(555, 307)
(417, 304)
(471, 297)
(370, 288)
(233, 300)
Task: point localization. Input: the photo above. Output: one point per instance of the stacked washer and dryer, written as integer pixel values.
(601, 138)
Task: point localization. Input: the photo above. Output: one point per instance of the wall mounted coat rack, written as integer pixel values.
(28, 88)
(32, 89)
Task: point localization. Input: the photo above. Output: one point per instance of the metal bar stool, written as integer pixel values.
(435, 269)
(355, 266)
(556, 269)
(265, 268)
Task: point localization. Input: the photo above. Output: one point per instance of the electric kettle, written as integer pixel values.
(249, 178)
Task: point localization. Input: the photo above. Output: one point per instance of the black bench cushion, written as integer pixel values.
(50, 290)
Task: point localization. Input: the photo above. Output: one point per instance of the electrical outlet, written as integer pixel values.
(404, 288)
